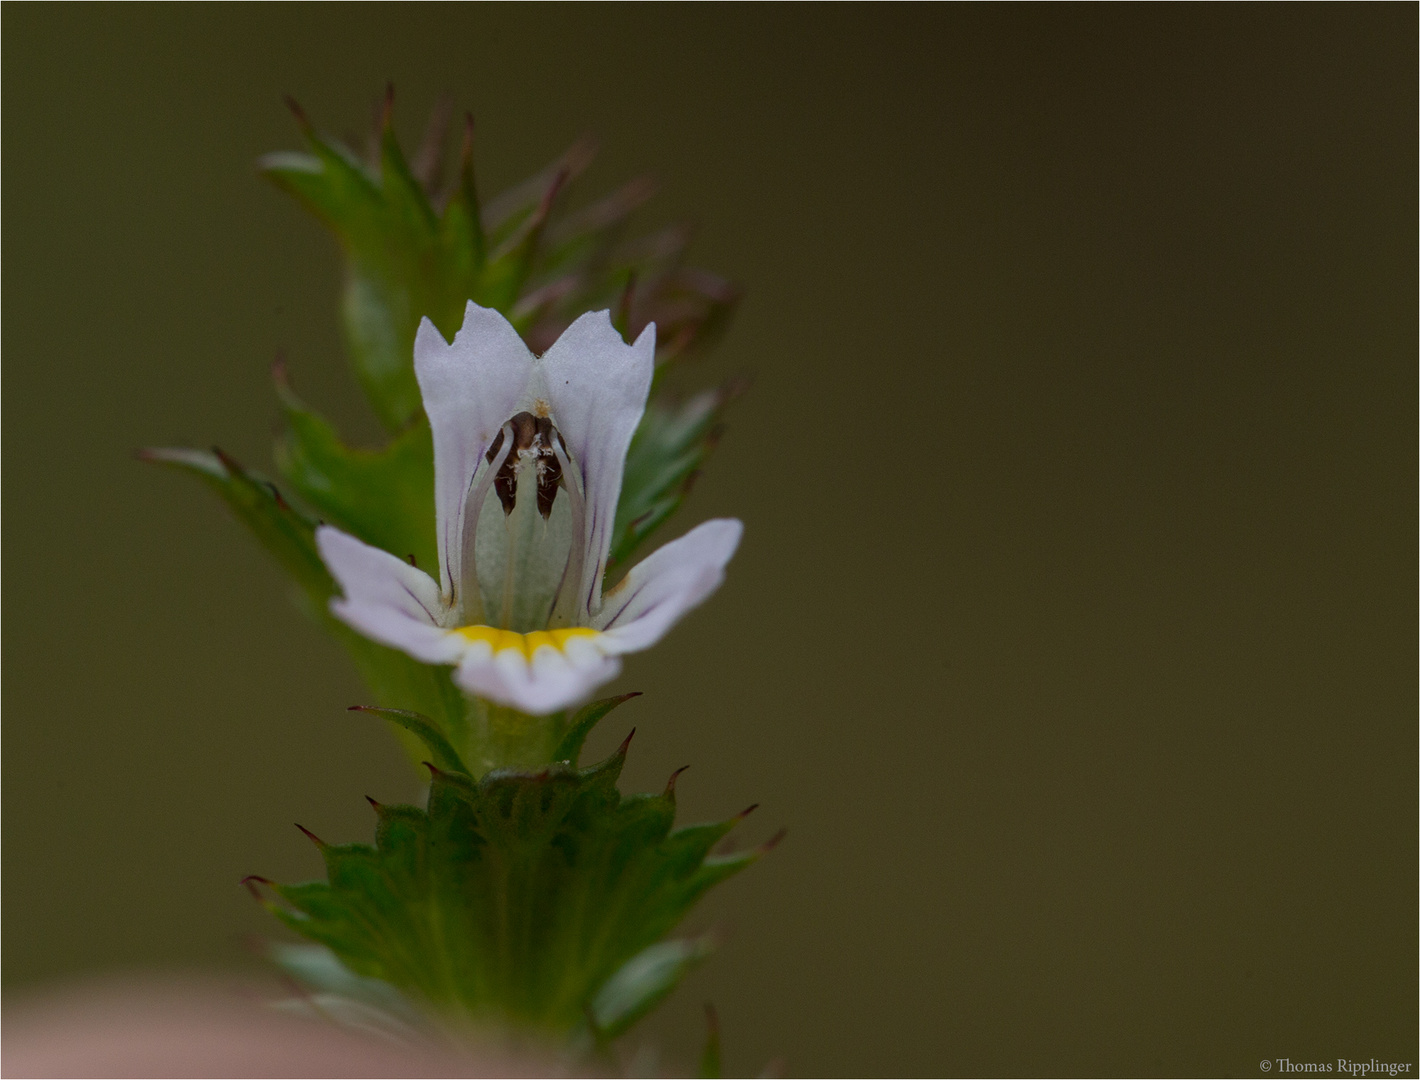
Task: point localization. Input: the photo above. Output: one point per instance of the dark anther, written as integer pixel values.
(550, 475)
(532, 448)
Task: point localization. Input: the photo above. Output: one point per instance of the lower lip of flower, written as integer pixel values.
(524, 644)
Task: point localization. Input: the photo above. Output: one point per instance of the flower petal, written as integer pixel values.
(597, 387)
(470, 390)
(661, 588)
(551, 681)
(387, 599)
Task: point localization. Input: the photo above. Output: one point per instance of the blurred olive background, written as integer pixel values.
(1073, 635)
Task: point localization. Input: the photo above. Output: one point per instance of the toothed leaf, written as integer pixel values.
(442, 751)
(384, 497)
(397, 679)
(581, 725)
(667, 451)
(320, 970)
(409, 257)
(534, 897)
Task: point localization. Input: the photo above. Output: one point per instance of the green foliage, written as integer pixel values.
(331, 991)
(404, 260)
(641, 983)
(532, 898)
(569, 747)
(384, 497)
(667, 451)
(423, 729)
(489, 736)
(416, 246)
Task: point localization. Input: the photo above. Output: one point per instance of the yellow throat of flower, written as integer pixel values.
(527, 644)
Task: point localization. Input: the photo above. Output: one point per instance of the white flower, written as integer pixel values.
(528, 458)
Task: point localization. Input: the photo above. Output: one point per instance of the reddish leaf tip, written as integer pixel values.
(311, 836)
(563, 175)
(298, 112)
(670, 784)
(369, 799)
(387, 106)
(251, 881)
(466, 145)
(773, 842)
(626, 742)
(228, 462)
(747, 811)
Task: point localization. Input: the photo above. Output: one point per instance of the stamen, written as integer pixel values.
(532, 444)
(564, 606)
(549, 469)
(522, 429)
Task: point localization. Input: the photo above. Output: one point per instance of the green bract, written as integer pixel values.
(532, 899)
(418, 247)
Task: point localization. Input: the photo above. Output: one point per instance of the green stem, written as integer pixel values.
(497, 737)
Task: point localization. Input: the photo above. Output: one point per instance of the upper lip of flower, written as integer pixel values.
(515, 431)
